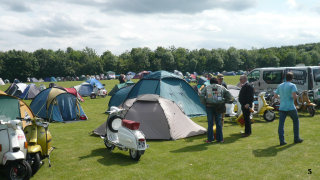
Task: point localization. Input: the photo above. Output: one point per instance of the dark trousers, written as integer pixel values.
(247, 122)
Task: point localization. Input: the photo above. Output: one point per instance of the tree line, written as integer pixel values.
(61, 63)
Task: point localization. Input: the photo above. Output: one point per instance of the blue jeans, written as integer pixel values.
(211, 113)
(294, 116)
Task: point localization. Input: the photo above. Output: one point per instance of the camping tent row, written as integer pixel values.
(166, 85)
(159, 118)
(23, 91)
(57, 104)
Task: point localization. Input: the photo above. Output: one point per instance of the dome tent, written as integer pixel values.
(159, 118)
(23, 91)
(16, 89)
(11, 107)
(117, 87)
(86, 88)
(166, 85)
(56, 104)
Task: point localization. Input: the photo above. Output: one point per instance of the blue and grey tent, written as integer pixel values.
(56, 104)
(50, 79)
(86, 88)
(166, 85)
(95, 82)
(30, 92)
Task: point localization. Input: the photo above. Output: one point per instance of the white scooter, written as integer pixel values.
(13, 150)
(124, 134)
(98, 92)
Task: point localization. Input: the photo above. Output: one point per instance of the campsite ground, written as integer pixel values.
(80, 155)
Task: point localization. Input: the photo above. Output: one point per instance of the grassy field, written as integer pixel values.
(80, 155)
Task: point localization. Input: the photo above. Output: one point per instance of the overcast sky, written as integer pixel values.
(119, 25)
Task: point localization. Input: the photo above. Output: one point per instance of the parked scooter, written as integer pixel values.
(303, 103)
(98, 92)
(263, 109)
(13, 150)
(124, 134)
(39, 140)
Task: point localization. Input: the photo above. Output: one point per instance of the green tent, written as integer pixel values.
(117, 87)
(11, 108)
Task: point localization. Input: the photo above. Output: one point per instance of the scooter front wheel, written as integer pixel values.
(108, 145)
(135, 154)
(35, 162)
(18, 170)
(311, 110)
(269, 116)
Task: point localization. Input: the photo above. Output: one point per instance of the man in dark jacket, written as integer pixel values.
(246, 96)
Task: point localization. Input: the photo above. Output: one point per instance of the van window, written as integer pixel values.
(299, 76)
(316, 74)
(254, 76)
(272, 77)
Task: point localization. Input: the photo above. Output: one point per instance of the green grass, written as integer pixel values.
(80, 155)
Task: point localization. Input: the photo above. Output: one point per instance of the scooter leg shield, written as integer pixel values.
(34, 149)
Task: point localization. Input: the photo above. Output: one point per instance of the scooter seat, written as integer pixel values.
(133, 125)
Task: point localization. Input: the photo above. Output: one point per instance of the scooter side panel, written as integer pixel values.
(127, 138)
(4, 141)
(12, 156)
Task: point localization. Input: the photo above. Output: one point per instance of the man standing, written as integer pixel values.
(288, 93)
(214, 98)
(246, 96)
(222, 83)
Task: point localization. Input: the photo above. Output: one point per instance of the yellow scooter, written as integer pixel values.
(39, 143)
(263, 110)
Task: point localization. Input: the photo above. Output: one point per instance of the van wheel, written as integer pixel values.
(311, 111)
(269, 116)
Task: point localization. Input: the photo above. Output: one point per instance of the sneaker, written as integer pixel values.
(207, 141)
(298, 141)
(283, 143)
(220, 141)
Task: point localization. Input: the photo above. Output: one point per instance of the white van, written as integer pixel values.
(305, 78)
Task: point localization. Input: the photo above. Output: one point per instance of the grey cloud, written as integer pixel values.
(166, 6)
(56, 27)
(176, 6)
(15, 5)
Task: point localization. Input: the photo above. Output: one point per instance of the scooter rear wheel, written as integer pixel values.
(135, 154)
(18, 170)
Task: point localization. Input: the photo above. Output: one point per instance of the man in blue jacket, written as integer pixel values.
(288, 93)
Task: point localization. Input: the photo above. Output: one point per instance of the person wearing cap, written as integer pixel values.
(220, 81)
